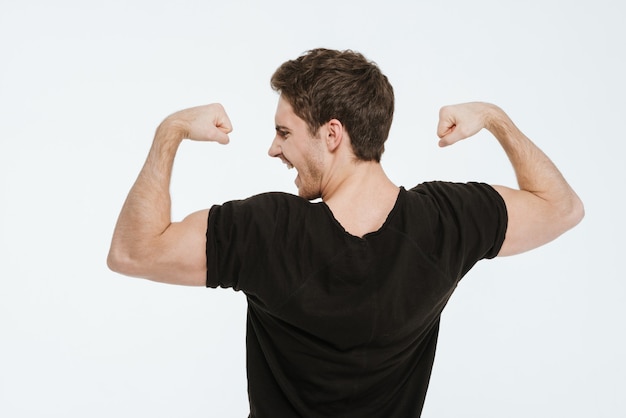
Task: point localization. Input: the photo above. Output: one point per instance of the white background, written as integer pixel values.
(83, 86)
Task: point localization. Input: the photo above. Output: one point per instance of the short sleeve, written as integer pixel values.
(219, 225)
(237, 233)
(249, 241)
(471, 221)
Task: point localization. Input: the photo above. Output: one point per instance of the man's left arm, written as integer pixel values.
(146, 243)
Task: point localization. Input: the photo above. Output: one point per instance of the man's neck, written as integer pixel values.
(360, 195)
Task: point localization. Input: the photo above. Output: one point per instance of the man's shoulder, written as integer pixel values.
(438, 187)
(267, 204)
(456, 196)
(272, 199)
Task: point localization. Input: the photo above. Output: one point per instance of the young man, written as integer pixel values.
(344, 295)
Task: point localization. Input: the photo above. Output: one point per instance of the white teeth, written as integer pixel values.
(286, 162)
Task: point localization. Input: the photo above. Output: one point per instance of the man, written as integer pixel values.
(344, 295)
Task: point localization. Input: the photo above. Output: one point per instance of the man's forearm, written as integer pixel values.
(535, 172)
(545, 206)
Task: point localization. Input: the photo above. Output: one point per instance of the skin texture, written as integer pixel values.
(147, 244)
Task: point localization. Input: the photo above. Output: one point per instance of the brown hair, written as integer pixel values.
(326, 84)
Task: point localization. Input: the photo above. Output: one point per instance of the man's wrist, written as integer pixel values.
(497, 122)
(172, 130)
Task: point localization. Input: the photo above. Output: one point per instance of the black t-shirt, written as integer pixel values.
(343, 326)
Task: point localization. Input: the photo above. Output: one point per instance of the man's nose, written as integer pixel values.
(274, 150)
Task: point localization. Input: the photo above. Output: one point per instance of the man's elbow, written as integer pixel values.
(116, 262)
(122, 262)
(576, 211)
(564, 216)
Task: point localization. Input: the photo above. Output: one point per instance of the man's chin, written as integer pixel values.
(304, 192)
(307, 194)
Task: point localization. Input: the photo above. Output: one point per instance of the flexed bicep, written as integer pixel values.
(176, 256)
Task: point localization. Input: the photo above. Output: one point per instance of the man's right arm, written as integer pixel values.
(544, 206)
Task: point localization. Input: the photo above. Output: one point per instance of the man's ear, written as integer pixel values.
(335, 133)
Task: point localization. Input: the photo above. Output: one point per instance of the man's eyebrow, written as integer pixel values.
(281, 128)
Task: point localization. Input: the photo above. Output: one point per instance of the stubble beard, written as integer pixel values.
(310, 178)
(310, 182)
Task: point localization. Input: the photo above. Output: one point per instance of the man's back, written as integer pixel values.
(340, 325)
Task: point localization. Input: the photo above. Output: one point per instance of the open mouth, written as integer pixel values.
(287, 163)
